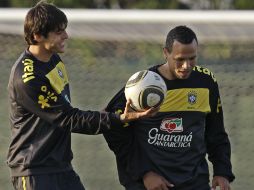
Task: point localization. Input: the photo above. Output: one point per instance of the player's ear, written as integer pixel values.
(165, 52)
(38, 37)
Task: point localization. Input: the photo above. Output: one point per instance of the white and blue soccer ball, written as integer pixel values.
(146, 89)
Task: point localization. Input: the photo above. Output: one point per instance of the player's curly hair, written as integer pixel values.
(182, 34)
(41, 19)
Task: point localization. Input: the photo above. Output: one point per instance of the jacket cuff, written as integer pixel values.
(222, 171)
(115, 120)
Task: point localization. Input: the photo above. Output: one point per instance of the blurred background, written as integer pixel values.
(112, 39)
(138, 4)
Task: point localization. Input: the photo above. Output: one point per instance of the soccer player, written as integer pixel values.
(168, 151)
(41, 115)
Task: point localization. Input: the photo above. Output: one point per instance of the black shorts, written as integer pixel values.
(56, 181)
(200, 183)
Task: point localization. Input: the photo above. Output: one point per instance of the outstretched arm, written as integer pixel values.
(38, 97)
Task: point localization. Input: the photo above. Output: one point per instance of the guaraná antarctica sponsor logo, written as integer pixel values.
(172, 126)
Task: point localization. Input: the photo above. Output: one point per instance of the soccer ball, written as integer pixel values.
(146, 89)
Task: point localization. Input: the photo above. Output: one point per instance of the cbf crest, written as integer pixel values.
(60, 73)
(192, 97)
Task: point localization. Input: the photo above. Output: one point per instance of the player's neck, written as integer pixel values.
(40, 53)
(165, 72)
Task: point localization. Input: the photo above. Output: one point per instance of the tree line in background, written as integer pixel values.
(139, 4)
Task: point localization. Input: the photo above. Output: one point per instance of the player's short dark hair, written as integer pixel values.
(41, 19)
(182, 34)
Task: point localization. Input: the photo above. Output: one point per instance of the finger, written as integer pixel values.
(223, 187)
(164, 184)
(164, 187)
(152, 111)
(214, 184)
(129, 101)
(227, 185)
(147, 113)
(156, 109)
(168, 183)
(128, 106)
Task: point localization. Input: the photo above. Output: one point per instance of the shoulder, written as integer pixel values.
(22, 73)
(204, 73)
(56, 57)
(24, 68)
(25, 72)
